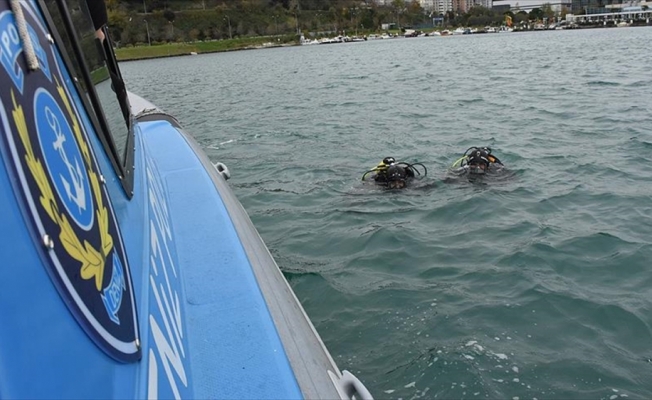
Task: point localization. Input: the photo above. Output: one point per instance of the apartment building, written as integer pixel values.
(443, 6)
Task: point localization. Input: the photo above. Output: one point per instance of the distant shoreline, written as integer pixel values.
(147, 52)
(166, 50)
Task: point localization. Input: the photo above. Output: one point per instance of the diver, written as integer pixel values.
(477, 161)
(393, 174)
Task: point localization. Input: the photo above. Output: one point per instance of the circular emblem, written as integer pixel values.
(66, 166)
(59, 183)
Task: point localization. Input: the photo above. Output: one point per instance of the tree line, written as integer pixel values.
(143, 21)
(160, 21)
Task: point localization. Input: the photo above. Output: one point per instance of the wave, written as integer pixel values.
(603, 83)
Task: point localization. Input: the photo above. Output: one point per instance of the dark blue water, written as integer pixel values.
(534, 284)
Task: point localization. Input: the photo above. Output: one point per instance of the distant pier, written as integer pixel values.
(628, 16)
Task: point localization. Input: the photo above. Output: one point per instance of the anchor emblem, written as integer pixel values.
(75, 172)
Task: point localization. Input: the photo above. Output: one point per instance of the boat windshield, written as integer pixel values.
(102, 87)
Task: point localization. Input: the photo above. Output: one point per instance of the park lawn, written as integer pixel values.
(175, 49)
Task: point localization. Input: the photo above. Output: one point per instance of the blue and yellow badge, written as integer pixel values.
(63, 191)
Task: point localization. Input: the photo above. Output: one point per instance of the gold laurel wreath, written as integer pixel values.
(92, 261)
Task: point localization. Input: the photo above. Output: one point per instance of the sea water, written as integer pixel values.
(536, 284)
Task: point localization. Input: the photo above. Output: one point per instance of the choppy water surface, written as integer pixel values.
(535, 285)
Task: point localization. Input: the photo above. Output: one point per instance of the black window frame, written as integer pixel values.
(123, 165)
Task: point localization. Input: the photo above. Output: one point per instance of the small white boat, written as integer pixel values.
(305, 41)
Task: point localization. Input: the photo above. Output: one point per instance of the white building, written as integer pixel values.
(442, 6)
(484, 3)
(428, 5)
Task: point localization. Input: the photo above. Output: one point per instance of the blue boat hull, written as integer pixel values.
(131, 270)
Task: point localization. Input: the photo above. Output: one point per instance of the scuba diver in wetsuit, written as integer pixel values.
(393, 174)
(477, 161)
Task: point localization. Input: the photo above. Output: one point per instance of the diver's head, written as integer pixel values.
(389, 160)
(478, 161)
(396, 177)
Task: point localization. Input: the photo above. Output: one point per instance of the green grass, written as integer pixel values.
(175, 49)
(99, 75)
